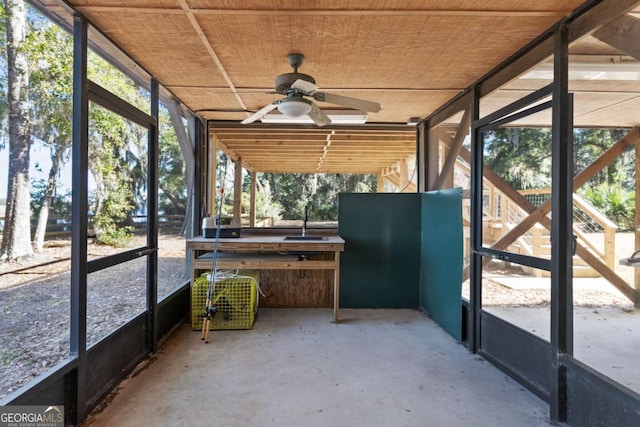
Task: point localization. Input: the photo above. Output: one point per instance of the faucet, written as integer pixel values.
(304, 221)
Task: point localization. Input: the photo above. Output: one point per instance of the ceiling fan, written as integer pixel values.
(296, 86)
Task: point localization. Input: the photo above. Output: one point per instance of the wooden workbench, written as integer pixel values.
(270, 253)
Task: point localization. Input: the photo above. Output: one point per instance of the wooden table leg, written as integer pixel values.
(336, 289)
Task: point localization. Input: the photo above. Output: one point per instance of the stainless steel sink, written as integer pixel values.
(305, 238)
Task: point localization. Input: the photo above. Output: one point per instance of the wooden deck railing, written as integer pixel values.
(594, 230)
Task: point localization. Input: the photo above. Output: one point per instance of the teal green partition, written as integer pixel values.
(380, 266)
(442, 258)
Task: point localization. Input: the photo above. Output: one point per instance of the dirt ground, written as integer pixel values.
(509, 285)
(35, 303)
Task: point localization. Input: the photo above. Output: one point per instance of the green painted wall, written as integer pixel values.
(442, 258)
(380, 267)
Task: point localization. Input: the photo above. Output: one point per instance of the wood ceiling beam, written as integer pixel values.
(344, 161)
(248, 90)
(241, 151)
(329, 170)
(234, 126)
(305, 140)
(293, 145)
(316, 131)
(387, 12)
(608, 106)
(374, 146)
(598, 16)
(623, 34)
(375, 164)
(214, 56)
(327, 12)
(264, 138)
(257, 137)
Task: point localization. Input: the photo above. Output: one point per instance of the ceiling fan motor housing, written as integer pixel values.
(284, 81)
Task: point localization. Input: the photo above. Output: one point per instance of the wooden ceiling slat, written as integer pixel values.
(265, 138)
(247, 130)
(292, 144)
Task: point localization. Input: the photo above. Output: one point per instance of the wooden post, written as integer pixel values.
(336, 288)
(252, 201)
(237, 192)
(433, 157)
(446, 178)
(380, 180)
(536, 247)
(610, 247)
(422, 138)
(504, 210)
(404, 175)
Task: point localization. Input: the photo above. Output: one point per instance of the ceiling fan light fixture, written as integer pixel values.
(294, 107)
(337, 117)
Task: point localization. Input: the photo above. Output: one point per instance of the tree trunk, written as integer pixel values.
(43, 216)
(16, 236)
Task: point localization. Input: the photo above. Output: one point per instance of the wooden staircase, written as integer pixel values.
(592, 229)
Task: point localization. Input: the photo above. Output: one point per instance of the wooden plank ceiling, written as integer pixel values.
(221, 58)
(319, 150)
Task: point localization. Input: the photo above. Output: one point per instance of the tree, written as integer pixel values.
(612, 190)
(172, 182)
(51, 62)
(521, 156)
(117, 158)
(614, 201)
(589, 144)
(16, 236)
(317, 191)
(114, 200)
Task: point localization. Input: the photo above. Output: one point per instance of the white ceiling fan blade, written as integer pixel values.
(318, 116)
(345, 101)
(305, 87)
(261, 112)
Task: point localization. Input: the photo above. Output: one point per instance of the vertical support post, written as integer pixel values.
(198, 180)
(380, 183)
(252, 200)
(504, 210)
(421, 152)
(79, 211)
(475, 287)
(212, 172)
(336, 287)
(561, 225)
(447, 179)
(237, 192)
(610, 247)
(404, 175)
(152, 221)
(193, 228)
(536, 247)
(433, 158)
(636, 221)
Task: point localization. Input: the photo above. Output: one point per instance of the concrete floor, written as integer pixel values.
(296, 368)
